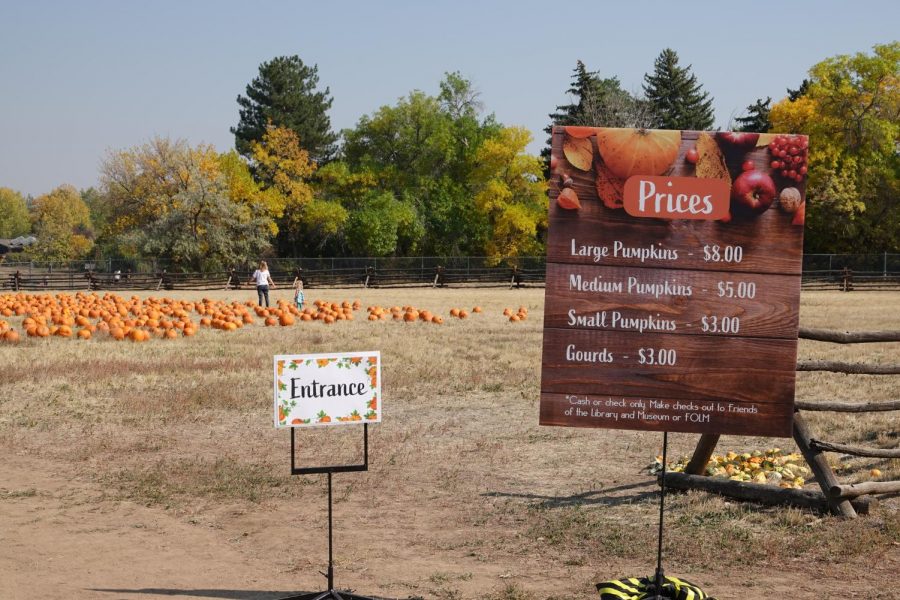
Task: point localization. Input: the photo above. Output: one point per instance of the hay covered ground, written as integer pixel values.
(146, 470)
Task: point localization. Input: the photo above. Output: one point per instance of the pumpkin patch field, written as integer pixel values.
(139, 458)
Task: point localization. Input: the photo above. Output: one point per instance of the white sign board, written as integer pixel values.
(313, 390)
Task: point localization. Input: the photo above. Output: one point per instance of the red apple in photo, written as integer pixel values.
(752, 193)
(692, 156)
(738, 139)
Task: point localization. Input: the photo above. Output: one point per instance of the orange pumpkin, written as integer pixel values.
(580, 132)
(628, 152)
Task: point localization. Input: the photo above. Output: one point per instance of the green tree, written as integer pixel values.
(851, 111)
(377, 222)
(677, 99)
(285, 94)
(597, 102)
(800, 91)
(757, 117)
(418, 168)
(14, 219)
(62, 226)
(415, 151)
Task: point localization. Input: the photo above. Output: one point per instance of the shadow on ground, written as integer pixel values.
(599, 497)
(227, 594)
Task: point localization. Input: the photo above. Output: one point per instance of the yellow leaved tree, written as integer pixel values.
(283, 170)
(510, 194)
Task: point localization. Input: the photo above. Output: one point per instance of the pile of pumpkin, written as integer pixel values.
(515, 317)
(411, 314)
(771, 467)
(7, 333)
(85, 315)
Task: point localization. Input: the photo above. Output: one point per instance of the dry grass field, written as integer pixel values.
(153, 470)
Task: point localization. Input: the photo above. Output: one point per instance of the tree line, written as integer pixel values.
(434, 174)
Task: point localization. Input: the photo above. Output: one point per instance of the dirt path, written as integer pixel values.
(60, 537)
(63, 536)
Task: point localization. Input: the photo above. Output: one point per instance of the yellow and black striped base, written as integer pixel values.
(643, 588)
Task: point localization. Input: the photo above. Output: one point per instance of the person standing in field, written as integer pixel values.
(263, 280)
(298, 294)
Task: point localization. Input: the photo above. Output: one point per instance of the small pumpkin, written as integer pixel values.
(628, 152)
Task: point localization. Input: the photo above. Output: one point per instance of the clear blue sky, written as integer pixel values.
(79, 78)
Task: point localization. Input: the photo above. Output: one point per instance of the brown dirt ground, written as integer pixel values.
(150, 471)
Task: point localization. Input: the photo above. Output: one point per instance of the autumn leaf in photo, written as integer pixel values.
(579, 152)
(610, 189)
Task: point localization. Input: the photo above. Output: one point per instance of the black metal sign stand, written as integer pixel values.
(330, 593)
(659, 578)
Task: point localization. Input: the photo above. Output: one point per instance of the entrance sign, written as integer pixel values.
(673, 280)
(327, 389)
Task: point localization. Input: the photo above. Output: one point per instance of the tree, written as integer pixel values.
(305, 223)
(169, 184)
(422, 172)
(422, 155)
(800, 91)
(511, 194)
(677, 99)
(14, 219)
(285, 94)
(377, 223)
(204, 229)
(757, 117)
(62, 226)
(851, 111)
(598, 102)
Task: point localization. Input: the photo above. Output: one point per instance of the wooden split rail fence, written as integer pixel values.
(502, 276)
(847, 500)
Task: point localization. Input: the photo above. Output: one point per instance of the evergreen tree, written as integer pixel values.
(757, 118)
(676, 98)
(285, 95)
(794, 95)
(596, 101)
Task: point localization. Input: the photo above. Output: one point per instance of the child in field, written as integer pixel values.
(298, 294)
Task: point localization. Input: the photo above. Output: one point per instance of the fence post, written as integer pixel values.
(885, 264)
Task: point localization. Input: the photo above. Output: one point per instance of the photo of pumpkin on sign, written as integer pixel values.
(327, 389)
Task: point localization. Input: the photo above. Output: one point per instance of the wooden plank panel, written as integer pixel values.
(654, 414)
(706, 368)
(766, 244)
(575, 291)
(769, 242)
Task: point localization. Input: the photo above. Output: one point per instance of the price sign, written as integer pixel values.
(673, 280)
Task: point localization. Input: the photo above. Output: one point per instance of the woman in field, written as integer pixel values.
(263, 280)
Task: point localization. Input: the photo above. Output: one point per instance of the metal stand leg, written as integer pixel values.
(662, 503)
(330, 575)
(330, 593)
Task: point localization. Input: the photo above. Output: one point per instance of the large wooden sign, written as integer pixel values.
(673, 280)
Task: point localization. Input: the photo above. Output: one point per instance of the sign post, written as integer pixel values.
(673, 282)
(314, 390)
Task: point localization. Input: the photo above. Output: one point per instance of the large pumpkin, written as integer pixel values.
(628, 152)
